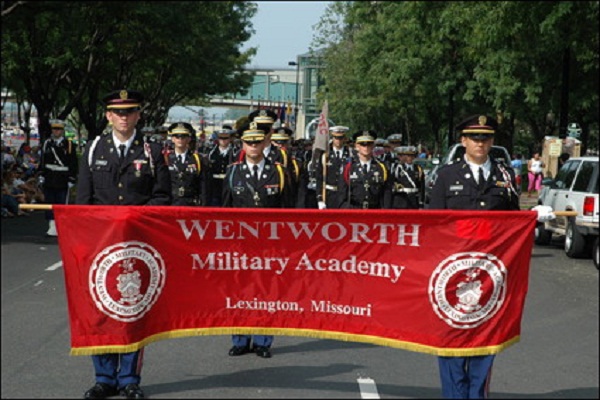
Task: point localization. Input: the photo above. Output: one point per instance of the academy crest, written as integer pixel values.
(467, 289)
(126, 279)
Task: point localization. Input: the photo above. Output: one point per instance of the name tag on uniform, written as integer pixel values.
(101, 162)
(456, 187)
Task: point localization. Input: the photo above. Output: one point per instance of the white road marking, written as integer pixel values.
(54, 266)
(368, 388)
(38, 283)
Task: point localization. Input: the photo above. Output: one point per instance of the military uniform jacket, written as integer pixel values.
(369, 190)
(217, 166)
(456, 188)
(58, 163)
(271, 191)
(335, 168)
(188, 179)
(142, 179)
(408, 186)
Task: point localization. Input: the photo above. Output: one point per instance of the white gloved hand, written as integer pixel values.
(322, 205)
(70, 185)
(544, 213)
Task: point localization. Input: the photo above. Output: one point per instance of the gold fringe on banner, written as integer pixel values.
(398, 344)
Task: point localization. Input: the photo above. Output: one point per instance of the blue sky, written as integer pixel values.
(284, 29)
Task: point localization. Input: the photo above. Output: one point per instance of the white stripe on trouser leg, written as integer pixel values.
(368, 388)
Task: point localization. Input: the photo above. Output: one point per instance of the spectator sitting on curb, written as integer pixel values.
(10, 204)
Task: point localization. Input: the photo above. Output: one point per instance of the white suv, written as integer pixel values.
(575, 188)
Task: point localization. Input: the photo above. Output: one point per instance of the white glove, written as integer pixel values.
(322, 205)
(41, 180)
(70, 185)
(544, 213)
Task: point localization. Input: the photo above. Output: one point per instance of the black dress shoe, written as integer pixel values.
(101, 391)
(239, 350)
(132, 391)
(262, 351)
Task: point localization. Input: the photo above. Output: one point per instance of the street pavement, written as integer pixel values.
(557, 357)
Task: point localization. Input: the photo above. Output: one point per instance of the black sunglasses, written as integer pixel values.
(363, 144)
(251, 142)
(180, 136)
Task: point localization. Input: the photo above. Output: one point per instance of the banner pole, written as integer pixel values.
(35, 206)
(28, 206)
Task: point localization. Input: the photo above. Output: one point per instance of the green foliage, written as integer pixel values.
(419, 67)
(64, 56)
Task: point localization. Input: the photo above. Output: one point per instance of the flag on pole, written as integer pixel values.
(322, 134)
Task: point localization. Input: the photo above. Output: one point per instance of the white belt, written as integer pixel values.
(54, 167)
(405, 190)
(219, 176)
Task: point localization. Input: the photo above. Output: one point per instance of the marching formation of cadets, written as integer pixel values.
(348, 175)
(260, 166)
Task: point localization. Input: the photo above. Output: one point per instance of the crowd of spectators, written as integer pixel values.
(19, 179)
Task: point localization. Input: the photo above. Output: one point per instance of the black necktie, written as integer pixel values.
(255, 173)
(481, 182)
(121, 152)
(365, 168)
(180, 158)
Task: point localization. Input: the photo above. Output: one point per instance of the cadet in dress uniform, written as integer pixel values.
(264, 120)
(477, 182)
(119, 168)
(329, 169)
(408, 187)
(254, 182)
(58, 170)
(388, 157)
(307, 187)
(365, 181)
(219, 157)
(188, 169)
(281, 138)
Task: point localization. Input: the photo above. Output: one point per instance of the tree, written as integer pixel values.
(69, 54)
(422, 66)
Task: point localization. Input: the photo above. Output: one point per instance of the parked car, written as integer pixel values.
(425, 163)
(456, 153)
(575, 188)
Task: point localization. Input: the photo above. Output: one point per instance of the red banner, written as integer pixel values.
(434, 281)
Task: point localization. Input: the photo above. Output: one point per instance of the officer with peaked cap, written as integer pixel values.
(395, 140)
(329, 169)
(120, 168)
(188, 169)
(264, 120)
(58, 168)
(281, 138)
(365, 182)
(219, 157)
(408, 180)
(254, 182)
(475, 182)
(387, 157)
